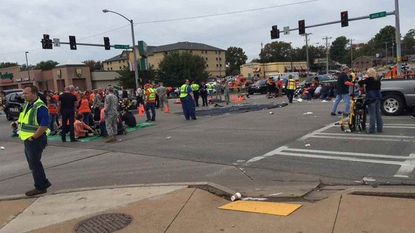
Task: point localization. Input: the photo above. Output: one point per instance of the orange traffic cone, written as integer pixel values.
(166, 109)
(141, 111)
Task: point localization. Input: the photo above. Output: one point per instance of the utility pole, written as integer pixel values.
(351, 53)
(397, 38)
(27, 65)
(386, 52)
(306, 51)
(327, 53)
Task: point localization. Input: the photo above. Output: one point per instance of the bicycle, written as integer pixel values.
(356, 120)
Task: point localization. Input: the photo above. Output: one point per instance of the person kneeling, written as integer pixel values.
(81, 129)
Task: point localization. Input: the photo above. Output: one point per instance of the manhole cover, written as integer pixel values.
(104, 223)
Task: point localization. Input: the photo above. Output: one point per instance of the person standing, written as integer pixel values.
(33, 125)
(162, 94)
(53, 113)
(226, 91)
(139, 95)
(111, 114)
(291, 86)
(280, 85)
(373, 100)
(150, 102)
(188, 103)
(97, 105)
(84, 109)
(218, 89)
(342, 91)
(195, 90)
(204, 94)
(67, 105)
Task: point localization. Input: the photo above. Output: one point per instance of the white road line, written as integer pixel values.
(410, 125)
(316, 132)
(367, 135)
(364, 138)
(407, 168)
(269, 154)
(350, 153)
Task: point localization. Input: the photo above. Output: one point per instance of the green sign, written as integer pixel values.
(121, 46)
(6, 76)
(377, 15)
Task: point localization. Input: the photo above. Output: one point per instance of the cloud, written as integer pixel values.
(22, 24)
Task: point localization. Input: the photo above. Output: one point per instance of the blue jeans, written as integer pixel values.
(33, 151)
(346, 99)
(188, 106)
(52, 120)
(375, 117)
(150, 107)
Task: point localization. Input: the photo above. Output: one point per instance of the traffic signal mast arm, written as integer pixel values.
(96, 45)
(339, 21)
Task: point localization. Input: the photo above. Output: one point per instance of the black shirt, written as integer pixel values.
(67, 102)
(341, 87)
(371, 84)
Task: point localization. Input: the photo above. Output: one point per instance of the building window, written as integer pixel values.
(206, 51)
(207, 65)
(219, 52)
(216, 59)
(111, 68)
(120, 68)
(220, 59)
(217, 65)
(220, 65)
(206, 58)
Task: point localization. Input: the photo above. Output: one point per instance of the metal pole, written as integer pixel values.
(27, 65)
(327, 53)
(351, 53)
(397, 38)
(306, 51)
(135, 55)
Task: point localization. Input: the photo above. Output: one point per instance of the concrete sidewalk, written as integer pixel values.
(178, 208)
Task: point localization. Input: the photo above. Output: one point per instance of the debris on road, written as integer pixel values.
(270, 113)
(236, 196)
(307, 145)
(168, 137)
(2, 148)
(308, 113)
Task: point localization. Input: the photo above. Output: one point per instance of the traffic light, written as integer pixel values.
(46, 42)
(344, 16)
(72, 42)
(275, 33)
(107, 43)
(301, 27)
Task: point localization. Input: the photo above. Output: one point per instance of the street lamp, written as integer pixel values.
(133, 38)
(27, 64)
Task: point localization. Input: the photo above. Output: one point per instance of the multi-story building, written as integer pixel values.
(214, 57)
(118, 62)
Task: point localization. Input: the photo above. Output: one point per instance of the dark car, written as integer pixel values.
(259, 86)
(13, 105)
(14, 101)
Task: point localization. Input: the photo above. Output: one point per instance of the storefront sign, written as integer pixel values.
(6, 76)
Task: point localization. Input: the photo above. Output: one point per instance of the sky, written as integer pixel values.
(240, 23)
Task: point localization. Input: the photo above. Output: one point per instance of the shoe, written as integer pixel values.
(332, 113)
(35, 192)
(63, 139)
(194, 118)
(110, 139)
(153, 120)
(74, 140)
(147, 120)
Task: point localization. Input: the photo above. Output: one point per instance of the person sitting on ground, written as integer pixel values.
(129, 119)
(317, 91)
(81, 129)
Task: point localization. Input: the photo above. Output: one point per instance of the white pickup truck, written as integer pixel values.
(397, 96)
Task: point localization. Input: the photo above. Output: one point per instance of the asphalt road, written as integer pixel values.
(297, 145)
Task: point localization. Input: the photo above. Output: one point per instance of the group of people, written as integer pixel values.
(371, 86)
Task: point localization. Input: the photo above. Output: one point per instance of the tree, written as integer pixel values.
(46, 65)
(127, 78)
(277, 51)
(385, 35)
(235, 57)
(175, 68)
(338, 51)
(90, 64)
(8, 64)
(408, 42)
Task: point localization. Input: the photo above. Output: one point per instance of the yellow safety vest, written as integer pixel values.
(209, 87)
(291, 84)
(195, 87)
(183, 91)
(152, 96)
(28, 120)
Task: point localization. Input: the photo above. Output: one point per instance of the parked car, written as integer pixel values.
(397, 96)
(13, 105)
(259, 86)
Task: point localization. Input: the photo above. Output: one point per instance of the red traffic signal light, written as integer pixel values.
(301, 27)
(46, 42)
(344, 16)
(275, 33)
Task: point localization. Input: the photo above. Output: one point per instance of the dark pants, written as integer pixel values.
(33, 151)
(103, 129)
(86, 118)
(290, 96)
(152, 107)
(196, 95)
(52, 119)
(68, 115)
(188, 106)
(204, 100)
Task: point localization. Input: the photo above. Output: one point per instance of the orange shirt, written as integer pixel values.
(84, 107)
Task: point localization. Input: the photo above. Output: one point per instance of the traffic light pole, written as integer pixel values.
(306, 51)
(397, 38)
(327, 53)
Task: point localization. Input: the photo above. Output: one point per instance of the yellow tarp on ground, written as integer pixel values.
(280, 209)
